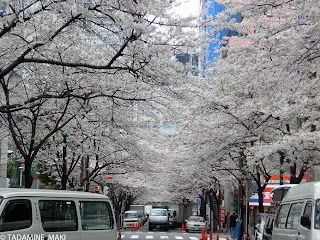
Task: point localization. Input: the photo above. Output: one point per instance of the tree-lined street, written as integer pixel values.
(130, 97)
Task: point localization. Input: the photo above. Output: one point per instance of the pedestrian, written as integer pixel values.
(233, 223)
(227, 223)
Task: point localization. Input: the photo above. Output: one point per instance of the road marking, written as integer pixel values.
(122, 236)
(135, 236)
(164, 237)
(149, 237)
(178, 237)
(194, 238)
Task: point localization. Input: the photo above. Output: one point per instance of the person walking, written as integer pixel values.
(233, 223)
(227, 223)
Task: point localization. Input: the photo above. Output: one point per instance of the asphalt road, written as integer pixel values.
(172, 234)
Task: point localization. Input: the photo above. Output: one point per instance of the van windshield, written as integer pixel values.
(130, 215)
(158, 213)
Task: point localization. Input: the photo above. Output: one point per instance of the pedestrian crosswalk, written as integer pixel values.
(151, 237)
(161, 237)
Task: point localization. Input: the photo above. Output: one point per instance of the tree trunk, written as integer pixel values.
(27, 172)
(64, 178)
(293, 171)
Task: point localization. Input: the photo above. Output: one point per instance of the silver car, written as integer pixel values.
(195, 223)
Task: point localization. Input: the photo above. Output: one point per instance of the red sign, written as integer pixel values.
(109, 177)
(222, 214)
(236, 191)
(267, 194)
(221, 194)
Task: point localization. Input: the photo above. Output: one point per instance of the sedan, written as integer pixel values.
(195, 223)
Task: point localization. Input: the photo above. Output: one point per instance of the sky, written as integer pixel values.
(188, 7)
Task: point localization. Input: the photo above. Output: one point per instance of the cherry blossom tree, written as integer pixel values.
(57, 57)
(265, 80)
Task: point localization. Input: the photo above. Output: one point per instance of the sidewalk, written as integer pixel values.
(222, 235)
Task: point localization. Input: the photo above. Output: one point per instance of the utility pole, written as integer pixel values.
(3, 157)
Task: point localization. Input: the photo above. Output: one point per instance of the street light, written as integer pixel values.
(21, 169)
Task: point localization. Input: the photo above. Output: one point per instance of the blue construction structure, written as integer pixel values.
(213, 47)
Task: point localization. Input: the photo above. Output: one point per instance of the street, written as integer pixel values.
(172, 234)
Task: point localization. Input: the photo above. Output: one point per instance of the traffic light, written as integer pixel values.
(98, 189)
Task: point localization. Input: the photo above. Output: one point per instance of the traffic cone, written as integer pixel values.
(119, 236)
(210, 235)
(132, 227)
(217, 237)
(227, 238)
(203, 237)
(182, 227)
(136, 228)
(206, 234)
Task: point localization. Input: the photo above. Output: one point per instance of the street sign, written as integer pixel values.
(108, 176)
(222, 214)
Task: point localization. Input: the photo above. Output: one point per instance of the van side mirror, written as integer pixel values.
(269, 230)
(305, 221)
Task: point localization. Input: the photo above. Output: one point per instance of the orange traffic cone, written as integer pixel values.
(206, 234)
(203, 237)
(182, 227)
(210, 235)
(132, 227)
(217, 237)
(119, 236)
(227, 238)
(136, 227)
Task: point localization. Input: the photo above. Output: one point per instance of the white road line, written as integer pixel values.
(164, 237)
(178, 237)
(135, 236)
(122, 236)
(194, 238)
(149, 237)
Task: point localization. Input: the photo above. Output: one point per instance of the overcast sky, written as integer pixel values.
(188, 7)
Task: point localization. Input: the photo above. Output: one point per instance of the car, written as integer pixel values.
(195, 223)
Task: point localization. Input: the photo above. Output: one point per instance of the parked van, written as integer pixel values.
(159, 218)
(54, 214)
(131, 218)
(298, 216)
(278, 193)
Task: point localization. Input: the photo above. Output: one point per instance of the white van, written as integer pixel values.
(52, 214)
(131, 218)
(298, 216)
(159, 218)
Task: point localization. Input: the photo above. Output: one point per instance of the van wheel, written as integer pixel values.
(187, 230)
(150, 228)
